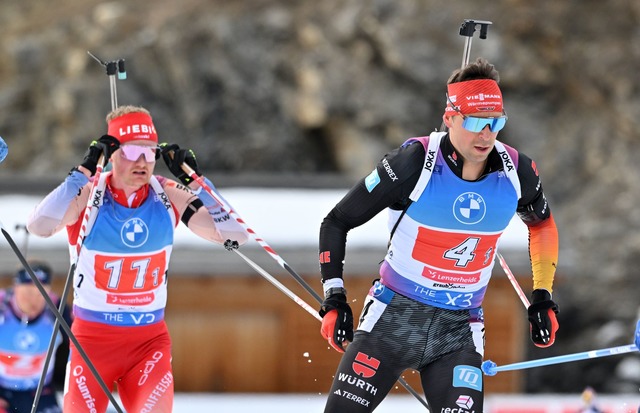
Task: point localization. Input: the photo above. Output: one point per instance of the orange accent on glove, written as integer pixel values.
(552, 333)
(328, 328)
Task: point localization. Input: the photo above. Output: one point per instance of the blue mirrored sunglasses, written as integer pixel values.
(476, 124)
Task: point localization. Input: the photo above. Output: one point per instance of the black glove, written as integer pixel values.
(106, 146)
(337, 319)
(174, 157)
(542, 317)
(231, 245)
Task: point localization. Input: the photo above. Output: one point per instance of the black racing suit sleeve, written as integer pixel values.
(398, 171)
(533, 207)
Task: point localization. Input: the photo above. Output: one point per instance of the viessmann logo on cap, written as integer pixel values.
(472, 96)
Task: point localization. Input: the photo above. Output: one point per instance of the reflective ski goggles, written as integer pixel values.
(476, 124)
(133, 152)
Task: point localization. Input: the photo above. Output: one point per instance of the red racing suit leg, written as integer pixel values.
(136, 359)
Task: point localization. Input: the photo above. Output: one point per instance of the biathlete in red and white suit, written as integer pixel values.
(120, 283)
(450, 196)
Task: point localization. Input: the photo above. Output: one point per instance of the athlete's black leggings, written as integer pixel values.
(442, 345)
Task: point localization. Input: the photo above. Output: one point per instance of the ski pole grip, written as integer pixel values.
(122, 73)
(468, 27)
(101, 160)
(111, 68)
(186, 168)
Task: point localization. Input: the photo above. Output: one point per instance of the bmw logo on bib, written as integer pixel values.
(134, 233)
(469, 208)
(26, 341)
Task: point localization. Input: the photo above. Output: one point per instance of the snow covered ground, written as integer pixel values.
(309, 403)
(266, 211)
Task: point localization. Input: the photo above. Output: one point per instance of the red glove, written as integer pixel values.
(542, 317)
(337, 319)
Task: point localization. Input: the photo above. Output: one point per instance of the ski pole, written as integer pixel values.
(279, 285)
(113, 68)
(309, 309)
(188, 170)
(45, 368)
(53, 338)
(512, 279)
(490, 368)
(25, 242)
(87, 221)
(467, 29)
(58, 316)
(91, 210)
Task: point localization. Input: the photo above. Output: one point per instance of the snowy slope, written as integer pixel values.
(286, 217)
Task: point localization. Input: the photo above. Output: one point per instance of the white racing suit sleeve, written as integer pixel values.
(225, 223)
(60, 208)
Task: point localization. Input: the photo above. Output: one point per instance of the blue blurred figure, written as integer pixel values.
(26, 326)
(589, 400)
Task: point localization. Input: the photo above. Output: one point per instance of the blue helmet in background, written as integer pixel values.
(40, 269)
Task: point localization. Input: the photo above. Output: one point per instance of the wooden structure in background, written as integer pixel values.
(245, 336)
(239, 333)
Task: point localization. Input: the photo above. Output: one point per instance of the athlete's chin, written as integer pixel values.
(478, 157)
(140, 179)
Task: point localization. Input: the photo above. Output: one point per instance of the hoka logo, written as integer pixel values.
(96, 198)
(428, 165)
(165, 201)
(507, 161)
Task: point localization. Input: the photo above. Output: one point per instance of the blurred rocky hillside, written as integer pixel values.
(294, 88)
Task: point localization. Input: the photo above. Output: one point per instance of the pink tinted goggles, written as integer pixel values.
(133, 152)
